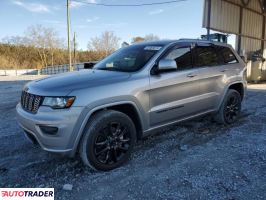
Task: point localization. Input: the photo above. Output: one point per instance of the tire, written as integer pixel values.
(108, 140)
(230, 109)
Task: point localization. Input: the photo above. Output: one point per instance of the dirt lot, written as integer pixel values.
(194, 160)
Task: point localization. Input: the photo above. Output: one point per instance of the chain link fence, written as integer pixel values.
(57, 69)
(50, 70)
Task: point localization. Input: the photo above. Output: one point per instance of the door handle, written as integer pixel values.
(191, 75)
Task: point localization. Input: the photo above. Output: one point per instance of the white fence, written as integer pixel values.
(18, 72)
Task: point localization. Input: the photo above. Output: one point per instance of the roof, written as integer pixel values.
(155, 43)
(167, 42)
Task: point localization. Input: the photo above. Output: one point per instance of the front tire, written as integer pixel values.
(108, 141)
(230, 109)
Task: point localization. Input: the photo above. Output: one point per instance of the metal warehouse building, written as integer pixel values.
(244, 18)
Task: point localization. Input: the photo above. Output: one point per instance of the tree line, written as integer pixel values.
(40, 47)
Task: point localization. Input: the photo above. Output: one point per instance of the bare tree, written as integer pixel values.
(46, 40)
(16, 40)
(137, 39)
(149, 37)
(107, 43)
(53, 42)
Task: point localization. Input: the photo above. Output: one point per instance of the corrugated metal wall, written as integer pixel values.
(225, 17)
(252, 24)
(248, 44)
(253, 4)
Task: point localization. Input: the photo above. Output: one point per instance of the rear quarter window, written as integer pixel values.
(228, 57)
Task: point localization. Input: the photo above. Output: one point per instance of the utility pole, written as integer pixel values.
(74, 43)
(68, 35)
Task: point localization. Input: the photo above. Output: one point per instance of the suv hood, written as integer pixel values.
(63, 84)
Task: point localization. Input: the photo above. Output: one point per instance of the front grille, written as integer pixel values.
(30, 102)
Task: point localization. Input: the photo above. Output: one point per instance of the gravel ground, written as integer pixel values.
(193, 160)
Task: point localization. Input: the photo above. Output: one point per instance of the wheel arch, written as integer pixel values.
(127, 107)
(238, 86)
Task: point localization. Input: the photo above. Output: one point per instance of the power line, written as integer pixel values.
(130, 5)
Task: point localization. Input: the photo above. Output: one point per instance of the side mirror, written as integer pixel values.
(167, 64)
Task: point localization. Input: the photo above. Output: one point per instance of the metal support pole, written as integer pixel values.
(263, 34)
(240, 31)
(209, 20)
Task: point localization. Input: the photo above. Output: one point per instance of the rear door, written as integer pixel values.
(229, 65)
(209, 59)
(175, 94)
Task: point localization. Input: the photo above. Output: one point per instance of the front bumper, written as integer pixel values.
(64, 119)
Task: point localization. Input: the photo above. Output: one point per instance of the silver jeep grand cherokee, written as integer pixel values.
(101, 113)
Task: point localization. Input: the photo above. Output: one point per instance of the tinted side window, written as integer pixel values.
(182, 56)
(228, 56)
(205, 56)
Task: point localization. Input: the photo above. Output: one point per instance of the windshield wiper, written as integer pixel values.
(107, 69)
(113, 69)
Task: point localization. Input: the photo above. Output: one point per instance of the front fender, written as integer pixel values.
(99, 105)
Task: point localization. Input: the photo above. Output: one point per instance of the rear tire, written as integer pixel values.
(108, 141)
(230, 109)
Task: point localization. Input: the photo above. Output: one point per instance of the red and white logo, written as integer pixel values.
(26, 193)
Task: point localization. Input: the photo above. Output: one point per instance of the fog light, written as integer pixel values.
(49, 130)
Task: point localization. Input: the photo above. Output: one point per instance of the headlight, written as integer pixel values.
(58, 102)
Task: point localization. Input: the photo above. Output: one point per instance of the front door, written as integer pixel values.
(175, 94)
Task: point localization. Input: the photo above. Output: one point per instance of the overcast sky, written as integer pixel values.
(171, 21)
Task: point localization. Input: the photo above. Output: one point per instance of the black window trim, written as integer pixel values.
(221, 57)
(168, 50)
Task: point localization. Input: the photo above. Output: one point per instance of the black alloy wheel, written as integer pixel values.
(108, 141)
(232, 109)
(112, 143)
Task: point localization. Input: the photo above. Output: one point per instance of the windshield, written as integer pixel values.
(128, 59)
